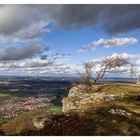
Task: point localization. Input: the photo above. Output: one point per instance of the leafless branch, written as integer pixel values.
(90, 76)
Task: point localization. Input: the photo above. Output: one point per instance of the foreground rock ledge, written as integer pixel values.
(78, 100)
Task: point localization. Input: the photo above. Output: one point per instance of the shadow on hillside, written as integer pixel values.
(134, 98)
(93, 122)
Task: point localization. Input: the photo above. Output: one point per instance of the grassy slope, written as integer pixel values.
(98, 121)
(24, 121)
(131, 93)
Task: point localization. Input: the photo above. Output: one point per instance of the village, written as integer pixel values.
(20, 94)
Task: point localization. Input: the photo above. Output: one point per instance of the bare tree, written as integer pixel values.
(132, 71)
(91, 76)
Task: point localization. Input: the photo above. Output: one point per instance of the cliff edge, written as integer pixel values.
(79, 99)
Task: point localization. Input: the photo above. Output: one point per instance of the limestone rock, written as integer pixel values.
(76, 91)
(77, 100)
(119, 112)
(138, 82)
(40, 122)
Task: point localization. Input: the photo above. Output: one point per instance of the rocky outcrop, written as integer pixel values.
(40, 122)
(78, 99)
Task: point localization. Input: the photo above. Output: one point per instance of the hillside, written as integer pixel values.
(109, 109)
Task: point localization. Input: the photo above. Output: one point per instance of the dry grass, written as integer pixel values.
(24, 121)
(118, 88)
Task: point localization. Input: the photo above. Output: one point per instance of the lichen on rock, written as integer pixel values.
(40, 122)
(77, 99)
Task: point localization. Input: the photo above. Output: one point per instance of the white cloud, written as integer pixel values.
(17, 17)
(24, 23)
(108, 43)
(33, 31)
(29, 33)
(16, 53)
(121, 71)
(35, 66)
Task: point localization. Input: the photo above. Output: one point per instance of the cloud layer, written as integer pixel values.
(108, 43)
(35, 58)
(112, 18)
(35, 66)
(14, 53)
(23, 26)
(16, 17)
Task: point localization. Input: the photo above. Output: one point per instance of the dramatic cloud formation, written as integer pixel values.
(22, 26)
(21, 31)
(22, 23)
(108, 43)
(34, 31)
(35, 58)
(35, 65)
(16, 17)
(14, 53)
(113, 18)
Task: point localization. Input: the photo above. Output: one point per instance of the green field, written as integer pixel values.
(5, 94)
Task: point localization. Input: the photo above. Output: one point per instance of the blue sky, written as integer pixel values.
(71, 42)
(56, 39)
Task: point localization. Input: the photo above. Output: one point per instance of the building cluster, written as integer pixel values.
(12, 108)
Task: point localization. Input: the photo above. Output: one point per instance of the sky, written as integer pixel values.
(44, 40)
